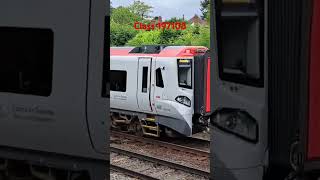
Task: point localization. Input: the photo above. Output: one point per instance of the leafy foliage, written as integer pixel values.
(123, 15)
(192, 36)
(195, 36)
(146, 38)
(123, 33)
(140, 8)
(120, 34)
(205, 7)
(121, 26)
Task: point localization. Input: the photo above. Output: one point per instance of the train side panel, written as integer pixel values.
(44, 122)
(124, 98)
(97, 75)
(47, 63)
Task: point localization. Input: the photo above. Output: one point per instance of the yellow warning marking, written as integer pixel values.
(150, 119)
(184, 61)
(150, 127)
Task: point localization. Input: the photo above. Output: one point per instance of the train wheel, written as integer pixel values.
(137, 128)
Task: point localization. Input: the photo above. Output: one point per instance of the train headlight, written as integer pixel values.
(237, 122)
(184, 100)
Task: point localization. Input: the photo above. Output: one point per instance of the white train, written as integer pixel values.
(155, 89)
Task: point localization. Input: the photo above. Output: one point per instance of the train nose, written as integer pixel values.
(230, 163)
(188, 119)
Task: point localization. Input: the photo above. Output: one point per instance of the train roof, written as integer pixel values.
(159, 51)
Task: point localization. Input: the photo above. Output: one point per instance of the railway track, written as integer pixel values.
(155, 161)
(131, 173)
(177, 157)
(172, 145)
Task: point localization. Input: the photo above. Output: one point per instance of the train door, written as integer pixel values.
(144, 79)
(239, 135)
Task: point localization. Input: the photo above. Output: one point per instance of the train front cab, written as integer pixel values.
(265, 124)
(190, 100)
(239, 134)
(53, 109)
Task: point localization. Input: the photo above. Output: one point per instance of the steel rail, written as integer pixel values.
(131, 173)
(177, 147)
(169, 164)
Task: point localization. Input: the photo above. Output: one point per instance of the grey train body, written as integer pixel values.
(260, 124)
(52, 112)
(158, 84)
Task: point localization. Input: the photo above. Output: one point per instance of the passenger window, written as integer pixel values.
(118, 80)
(159, 79)
(144, 79)
(26, 60)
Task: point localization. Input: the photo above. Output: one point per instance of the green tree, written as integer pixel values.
(123, 15)
(203, 38)
(175, 19)
(121, 34)
(169, 36)
(205, 6)
(140, 8)
(111, 7)
(146, 38)
(121, 26)
(192, 36)
(195, 36)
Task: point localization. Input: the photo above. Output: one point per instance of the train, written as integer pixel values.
(54, 102)
(160, 90)
(265, 86)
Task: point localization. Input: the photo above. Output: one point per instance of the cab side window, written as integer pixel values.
(159, 79)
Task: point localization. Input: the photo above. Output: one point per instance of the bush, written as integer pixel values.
(121, 34)
(203, 38)
(146, 38)
(121, 26)
(195, 36)
(123, 16)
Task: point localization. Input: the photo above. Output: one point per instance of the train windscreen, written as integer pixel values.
(185, 73)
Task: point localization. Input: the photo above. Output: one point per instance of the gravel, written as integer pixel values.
(119, 176)
(149, 168)
(202, 135)
(191, 160)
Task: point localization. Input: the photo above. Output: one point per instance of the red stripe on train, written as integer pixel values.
(169, 52)
(208, 90)
(314, 91)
